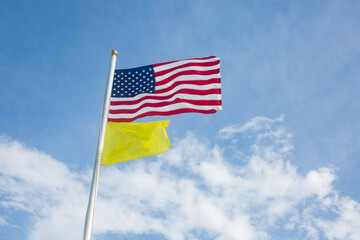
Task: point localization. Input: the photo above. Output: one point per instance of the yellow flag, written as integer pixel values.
(129, 141)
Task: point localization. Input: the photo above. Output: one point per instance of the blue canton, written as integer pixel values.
(131, 82)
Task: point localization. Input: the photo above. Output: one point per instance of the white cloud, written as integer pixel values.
(193, 190)
(347, 223)
(254, 124)
(3, 221)
(33, 182)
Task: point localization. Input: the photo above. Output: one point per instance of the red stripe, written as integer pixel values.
(200, 64)
(164, 63)
(154, 113)
(155, 97)
(164, 104)
(193, 82)
(189, 72)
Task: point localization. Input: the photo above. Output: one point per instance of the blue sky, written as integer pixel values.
(279, 162)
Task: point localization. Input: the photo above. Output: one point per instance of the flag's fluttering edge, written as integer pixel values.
(191, 85)
(129, 141)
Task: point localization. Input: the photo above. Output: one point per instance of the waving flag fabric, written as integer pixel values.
(129, 141)
(191, 85)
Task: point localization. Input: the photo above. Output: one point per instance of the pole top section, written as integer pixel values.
(114, 52)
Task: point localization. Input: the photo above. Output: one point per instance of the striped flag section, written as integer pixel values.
(192, 85)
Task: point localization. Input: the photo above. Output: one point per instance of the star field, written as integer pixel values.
(131, 82)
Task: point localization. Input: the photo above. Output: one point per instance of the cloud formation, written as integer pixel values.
(194, 191)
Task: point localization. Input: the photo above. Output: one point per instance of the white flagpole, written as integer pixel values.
(96, 174)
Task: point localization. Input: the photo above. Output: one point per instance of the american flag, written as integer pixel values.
(191, 85)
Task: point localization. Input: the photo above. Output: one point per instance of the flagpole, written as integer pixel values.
(96, 173)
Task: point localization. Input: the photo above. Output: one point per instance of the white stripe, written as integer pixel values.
(187, 78)
(195, 87)
(175, 106)
(197, 68)
(182, 96)
(191, 86)
(181, 62)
